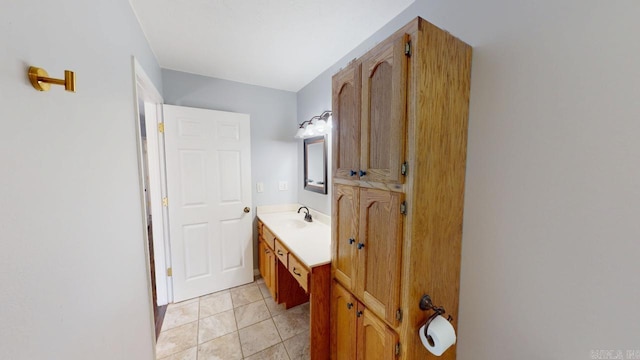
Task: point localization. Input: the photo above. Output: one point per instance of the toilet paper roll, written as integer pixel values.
(442, 335)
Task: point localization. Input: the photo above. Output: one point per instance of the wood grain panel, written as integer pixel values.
(346, 121)
(300, 272)
(375, 340)
(269, 238)
(380, 252)
(384, 94)
(290, 293)
(282, 253)
(343, 323)
(345, 234)
(320, 308)
(267, 265)
(441, 70)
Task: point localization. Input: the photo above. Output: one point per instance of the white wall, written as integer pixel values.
(74, 283)
(273, 148)
(551, 246)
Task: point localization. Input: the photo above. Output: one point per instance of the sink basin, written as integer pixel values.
(294, 223)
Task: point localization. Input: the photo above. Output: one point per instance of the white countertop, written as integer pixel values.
(309, 242)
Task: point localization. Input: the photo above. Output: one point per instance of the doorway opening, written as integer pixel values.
(152, 184)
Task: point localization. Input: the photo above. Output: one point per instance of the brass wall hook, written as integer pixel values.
(41, 81)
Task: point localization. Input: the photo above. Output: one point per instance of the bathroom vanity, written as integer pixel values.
(295, 262)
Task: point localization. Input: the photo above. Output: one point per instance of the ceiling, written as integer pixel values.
(282, 44)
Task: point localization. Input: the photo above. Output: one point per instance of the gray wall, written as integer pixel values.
(551, 232)
(74, 277)
(312, 100)
(273, 148)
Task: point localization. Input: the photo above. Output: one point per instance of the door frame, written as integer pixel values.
(146, 90)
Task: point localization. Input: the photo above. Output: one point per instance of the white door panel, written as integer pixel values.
(209, 185)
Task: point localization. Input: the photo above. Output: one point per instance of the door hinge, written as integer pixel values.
(169, 272)
(403, 208)
(161, 127)
(407, 48)
(397, 349)
(399, 315)
(403, 168)
(165, 201)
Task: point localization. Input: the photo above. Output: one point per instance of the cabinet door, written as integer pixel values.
(272, 262)
(384, 99)
(343, 324)
(346, 122)
(379, 252)
(266, 261)
(375, 340)
(263, 262)
(345, 232)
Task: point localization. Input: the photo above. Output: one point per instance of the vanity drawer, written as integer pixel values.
(299, 272)
(268, 237)
(282, 253)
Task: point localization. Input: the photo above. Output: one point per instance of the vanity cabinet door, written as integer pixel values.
(384, 104)
(346, 122)
(267, 264)
(379, 252)
(345, 232)
(376, 341)
(262, 261)
(343, 323)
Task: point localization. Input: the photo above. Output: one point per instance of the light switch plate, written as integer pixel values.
(283, 186)
(260, 187)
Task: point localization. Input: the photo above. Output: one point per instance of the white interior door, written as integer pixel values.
(209, 187)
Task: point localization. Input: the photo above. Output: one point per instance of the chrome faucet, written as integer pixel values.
(307, 215)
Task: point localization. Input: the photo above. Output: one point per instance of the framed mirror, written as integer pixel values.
(315, 164)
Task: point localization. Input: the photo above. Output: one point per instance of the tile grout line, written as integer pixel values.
(233, 310)
(198, 331)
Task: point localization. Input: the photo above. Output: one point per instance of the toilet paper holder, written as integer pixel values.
(427, 304)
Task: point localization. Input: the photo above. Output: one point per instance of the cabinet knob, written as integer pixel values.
(349, 306)
(351, 241)
(246, 210)
(352, 173)
(360, 246)
(363, 173)
(280, 252)
(359, 313)
(295, 272)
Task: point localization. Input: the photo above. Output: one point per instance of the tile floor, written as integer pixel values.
(235, 324)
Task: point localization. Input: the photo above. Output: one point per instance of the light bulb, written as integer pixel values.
(309, 131)
(321, 127)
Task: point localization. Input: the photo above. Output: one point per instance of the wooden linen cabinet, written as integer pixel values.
(399, 156)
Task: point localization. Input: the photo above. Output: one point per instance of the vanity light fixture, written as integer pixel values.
(316, 126)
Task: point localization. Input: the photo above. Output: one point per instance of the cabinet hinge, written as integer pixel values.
(399, 315)
(165, 201)
(407, 48)
(403, 208)
(169, 272)
(397, 349)
(403, 168)
(161, 127)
